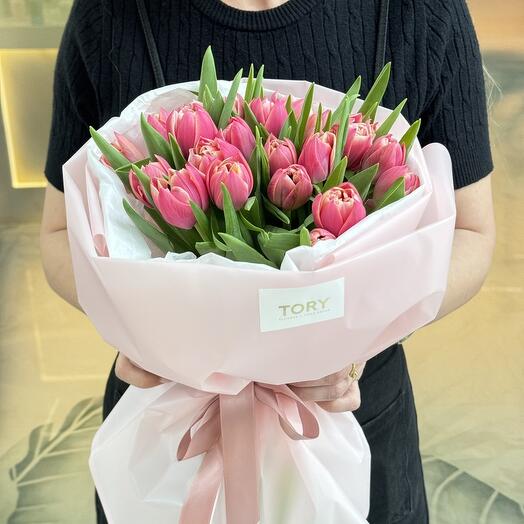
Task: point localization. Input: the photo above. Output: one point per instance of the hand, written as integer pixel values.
(336, 393)
(129, 372)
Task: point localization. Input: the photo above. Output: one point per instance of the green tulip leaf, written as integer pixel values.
(342, 132)
(386, 126)
(363, 180)
(275, 211)
(244, 253)
(178, 157)
(370, 115)
(304, 116)
(283, 241)
(336, 176)
(145, 182)
(148, 229)
(410, 136)
(258, 90)
(116, 159)
(180, 241)
(351, 94)
(208, 75)
(318, 121)
(250, 84)
(203, 248)
(394, 193)
(250, 117)
(202, 222)
(216, 107)
(230, 214)
(377, 91)
(329, 121)
(155, 143)
(230, 101)
(249, 225)
(305, 239)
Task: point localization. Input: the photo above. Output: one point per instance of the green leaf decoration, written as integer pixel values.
(250, 84)
(351, 94)
(342, 132)
(216, 108)
(370, 115)
(125, 169)
(304, 116)
(377, 91)
(249, 225)
(227, 110)
(386, 126)
(244, 253)
(230, 214)
(207, 99)
(275, 211)
(44, 478)
(285, 132)
(329, 121)
(258, 90)
(208, 75)
(305, 239)
(155, 143)
(263, 132)
(181, 241)
(179, 160)
(291, 118)
(283, 241)
(336, 176)
(409, 137)
(202, 222)
(394, 193)
(254, 212)
(318, 121)
(115, 158)
(147, 229)
(203, 248)
(363, 180)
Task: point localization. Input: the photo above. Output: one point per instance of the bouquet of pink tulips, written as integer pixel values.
(234, 237)
(255, 176)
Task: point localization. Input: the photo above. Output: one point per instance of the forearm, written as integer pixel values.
(470, 262)
(58, 267)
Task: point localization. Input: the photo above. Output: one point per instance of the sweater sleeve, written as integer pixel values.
(74, 99)
(457, 114)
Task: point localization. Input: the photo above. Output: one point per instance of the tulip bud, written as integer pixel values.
(317, 155)
(206, 151)
(127, 148)
(173, 197)
(338, 209)
(237, 177)
(158, 169)
(239, 134)
(270, 112)
(311, 122)
(387, 178)
(290, 187)
(280, 153)
(386, 152)
(359, 140)
(316, 235)
(238, 105)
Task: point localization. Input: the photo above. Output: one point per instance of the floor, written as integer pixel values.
(467, 370)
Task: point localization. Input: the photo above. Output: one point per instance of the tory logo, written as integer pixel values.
(311, 306)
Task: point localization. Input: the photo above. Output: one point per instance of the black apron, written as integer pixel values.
(387, 413)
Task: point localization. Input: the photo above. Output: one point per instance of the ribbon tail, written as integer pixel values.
(200, 503)
(239, 448)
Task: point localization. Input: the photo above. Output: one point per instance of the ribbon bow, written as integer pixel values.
(225, 431)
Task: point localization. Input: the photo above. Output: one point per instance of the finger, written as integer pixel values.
(323, 393)
(349, 402)
(329, 380)
(129, 372)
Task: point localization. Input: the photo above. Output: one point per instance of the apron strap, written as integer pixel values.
(382, 37)
(151, 44)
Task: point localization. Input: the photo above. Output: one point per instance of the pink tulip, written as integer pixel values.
(338, 209)
(238, 105)
(159, 169)
(297, 106)
(207, 150)
(281, 153)
(386, 152)
(312, 120)
(317, 155)
(290, 187)
(127, 148)
(188, 124)
(387, 178)
(172, 198)
(270, 112)
(359, 140)
(237, 177)
(239, 134)
(318, 234)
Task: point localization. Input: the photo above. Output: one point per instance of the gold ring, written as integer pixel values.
(353, 372)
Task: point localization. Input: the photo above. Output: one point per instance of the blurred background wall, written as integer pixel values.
(467, 370)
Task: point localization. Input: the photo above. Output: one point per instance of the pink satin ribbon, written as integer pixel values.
(225, 430)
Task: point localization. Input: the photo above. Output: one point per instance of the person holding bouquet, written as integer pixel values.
(114, 50)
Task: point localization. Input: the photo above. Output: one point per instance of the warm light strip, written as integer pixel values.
(16, 180)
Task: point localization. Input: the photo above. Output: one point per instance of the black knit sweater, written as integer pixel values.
(103, 62)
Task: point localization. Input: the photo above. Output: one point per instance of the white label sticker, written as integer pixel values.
(284, 308)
